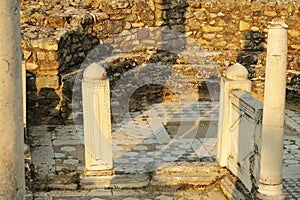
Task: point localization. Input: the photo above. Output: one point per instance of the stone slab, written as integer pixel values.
(118, 181)
(291, 171)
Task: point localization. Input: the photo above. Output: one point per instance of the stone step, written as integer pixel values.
(200, 174)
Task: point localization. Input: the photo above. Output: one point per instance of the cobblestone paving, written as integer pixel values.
(141, 142)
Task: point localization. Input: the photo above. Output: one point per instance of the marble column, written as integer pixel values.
(273, 114)
(12, 182)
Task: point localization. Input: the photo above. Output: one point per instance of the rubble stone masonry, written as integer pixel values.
(57, 36)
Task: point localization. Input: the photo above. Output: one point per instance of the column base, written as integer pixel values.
(269, 192)
(98, 171)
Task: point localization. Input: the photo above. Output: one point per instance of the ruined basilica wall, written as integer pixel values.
(57, 35)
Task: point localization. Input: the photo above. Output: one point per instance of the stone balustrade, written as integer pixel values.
(250, 134)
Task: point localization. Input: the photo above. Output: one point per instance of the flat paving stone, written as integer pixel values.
(140, 148)
(291, 171)
(42, 157)
(66, 142)
(71, 161)
(68, 148)
(59, 155)
(145, 160)
(120, 160)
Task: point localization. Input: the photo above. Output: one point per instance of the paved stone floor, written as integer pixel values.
(126, 194)
(141, 142)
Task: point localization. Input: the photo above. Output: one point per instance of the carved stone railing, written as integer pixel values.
(239, 133)
(250, 138)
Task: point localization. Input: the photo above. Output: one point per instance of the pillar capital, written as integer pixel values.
(277, 25)
(236, 72)
(94, 72)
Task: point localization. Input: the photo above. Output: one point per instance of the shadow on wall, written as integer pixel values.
(41, 105)
(161, 89)
(293, 90)
(179, 73)
(49, 97)
(249, 57)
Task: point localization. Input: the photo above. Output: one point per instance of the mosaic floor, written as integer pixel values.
(141, 142)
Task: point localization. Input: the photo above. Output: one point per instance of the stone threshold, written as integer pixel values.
(177, 173)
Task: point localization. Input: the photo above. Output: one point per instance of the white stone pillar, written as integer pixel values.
(236, 78)
(273, 113)
(12, 178)
(97, 120)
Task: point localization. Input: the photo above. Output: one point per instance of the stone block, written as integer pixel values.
(295, 46)
(49, 45)
(209, 36)
(188, 173)
(243, 26)
(209, 29)
(101, 15)
(137, 25)
(45, 66)
(270, 13)
(35, 43)
(293, 33)
(48, 73)
(47, 82)
(31, 66)
(51, 56)
(26, 54)
(41, 55)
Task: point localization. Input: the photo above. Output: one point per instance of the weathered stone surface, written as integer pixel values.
(202, 41)
(293, 33)
(270, 13)
(66, 33)
(47, 82)
(31, 66)
(237, 72)
(94, 72)
(50, 45)
(244, 26)
(209, 35)
(209, 29)
(295, 46)
(202, 174)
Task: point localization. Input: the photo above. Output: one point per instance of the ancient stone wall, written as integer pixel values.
(57, 35)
